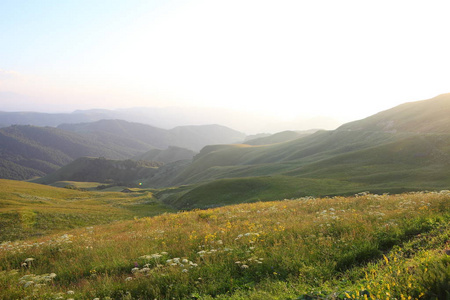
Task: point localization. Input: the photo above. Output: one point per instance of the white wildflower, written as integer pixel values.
(28, 283)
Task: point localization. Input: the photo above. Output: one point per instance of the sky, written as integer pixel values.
(284, 59)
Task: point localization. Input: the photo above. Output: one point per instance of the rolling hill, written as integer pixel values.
(361, 156)
(426, 116)
(30, 209)
(169, 155)
(86, 169)
(279, 137)
(30, 151)
(132, 134)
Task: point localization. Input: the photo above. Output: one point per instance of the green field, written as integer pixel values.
(362, 247)
(28, 209)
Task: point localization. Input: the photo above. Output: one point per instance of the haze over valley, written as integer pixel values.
(212, 150)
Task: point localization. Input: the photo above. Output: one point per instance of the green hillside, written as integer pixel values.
(334, 162)
(228, 161)
(28, 151)
(135, 134)
(361, 247)
(102, 170)
(279, 137)
(197, 137)
(359, 160)
(29, 209)
(231, 191)
(169, 155)
(31, 151)
(426, 116)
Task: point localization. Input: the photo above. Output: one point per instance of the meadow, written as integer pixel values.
(31, 210)
(361, 247)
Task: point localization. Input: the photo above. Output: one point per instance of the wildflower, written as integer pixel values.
(70, 292)
(244, 267)
(184, 271)
(134, 270)
(28, 283)
(128, 278)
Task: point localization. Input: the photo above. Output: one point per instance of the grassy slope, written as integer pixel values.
(426, 116)
(279, 137)
(353, 161)
(171, 154)
(101, 170)
(252, 189)
(408, 156)
(28, 209)
(224, 161)
(384, 247)
(404, 148)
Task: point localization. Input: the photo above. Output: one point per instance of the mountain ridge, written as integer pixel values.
(27, 151)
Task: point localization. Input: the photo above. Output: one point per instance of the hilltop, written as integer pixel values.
(426, 116)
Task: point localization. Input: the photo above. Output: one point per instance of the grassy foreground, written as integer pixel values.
(362, 247)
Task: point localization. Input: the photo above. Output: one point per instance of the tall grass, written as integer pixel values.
(367, 246)
(29, 210)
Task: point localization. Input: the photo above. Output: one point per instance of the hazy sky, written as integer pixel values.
(346, 59)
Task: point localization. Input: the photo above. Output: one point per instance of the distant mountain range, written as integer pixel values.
(29, 151)
(168, 118)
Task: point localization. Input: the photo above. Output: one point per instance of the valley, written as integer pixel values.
(112, 209)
